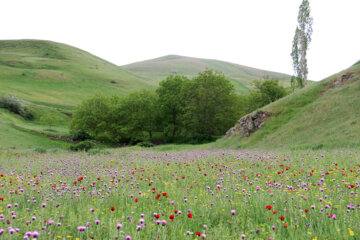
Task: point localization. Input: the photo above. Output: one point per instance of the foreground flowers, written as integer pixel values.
(158, 195)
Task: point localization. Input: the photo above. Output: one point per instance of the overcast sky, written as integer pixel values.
(256, 33)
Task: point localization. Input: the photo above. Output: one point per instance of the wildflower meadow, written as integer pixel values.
(212, 194)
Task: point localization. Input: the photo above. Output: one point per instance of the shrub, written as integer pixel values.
(39, 150)
(12, 103)
(80, 135)
(146, 144)
(28, 115)
(83, 146)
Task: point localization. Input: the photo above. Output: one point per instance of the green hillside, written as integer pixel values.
(325, 114)
(51, 78)
(241, 76)
(50, 73)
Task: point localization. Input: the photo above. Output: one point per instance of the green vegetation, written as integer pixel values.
(240, 76)
(83, 146)
(323, 115)
(264, 92)
(181, 110)
(126, 119)
(302, 39)
(43, 81)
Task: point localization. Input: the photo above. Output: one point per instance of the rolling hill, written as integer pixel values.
(324, 114)
(51, 78)
(241, 76)
(50, 73)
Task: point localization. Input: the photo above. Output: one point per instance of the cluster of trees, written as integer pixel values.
(205, 105)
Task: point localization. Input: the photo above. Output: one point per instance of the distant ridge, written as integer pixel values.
(241, 76)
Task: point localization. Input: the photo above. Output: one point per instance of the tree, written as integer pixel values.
(301, 41)
(264, 93)
(171, 103)
(209, 104)
(91, 116)
(140, 112)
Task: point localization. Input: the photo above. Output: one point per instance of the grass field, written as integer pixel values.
(218, 194)
(241, 76)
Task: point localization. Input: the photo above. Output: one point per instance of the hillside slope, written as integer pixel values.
(52, 78)
(45, 72)
(325, 114)
(241, 76)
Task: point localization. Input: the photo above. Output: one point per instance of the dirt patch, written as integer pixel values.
(68, 114)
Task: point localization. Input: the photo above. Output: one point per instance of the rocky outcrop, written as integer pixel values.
(341, 80)
(249, 123)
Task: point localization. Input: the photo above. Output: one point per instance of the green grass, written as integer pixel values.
(315, 116)
(241, 76)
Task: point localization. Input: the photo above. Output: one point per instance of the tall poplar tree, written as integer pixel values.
(301, 41)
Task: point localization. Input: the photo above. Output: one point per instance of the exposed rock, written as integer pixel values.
(249, 123)
(342, 79)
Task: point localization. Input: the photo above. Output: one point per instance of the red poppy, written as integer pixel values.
(306, 210)
(279, 173)
(171, 217)
(282, 218)
(176, 211)
(136, 200)
(285, 225)
(112, 208)
(190, 215)
(274, 212)
(164, 194)
(352, 186)
(157, 216)
(268, 207)
(198, 233)
(1, 199)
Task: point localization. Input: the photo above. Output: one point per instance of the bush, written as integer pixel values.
(83, 146)
(146, 144)
(80, 135)
(28, 115)
(39, 150)
(12, 103)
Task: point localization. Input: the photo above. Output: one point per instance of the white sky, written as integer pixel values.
(256, 33)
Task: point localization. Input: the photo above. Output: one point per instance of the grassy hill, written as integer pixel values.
(52, 78)
(241, 76)
(49, 73)
(325, 114)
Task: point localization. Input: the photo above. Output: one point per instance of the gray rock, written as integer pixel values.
(249, 123)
